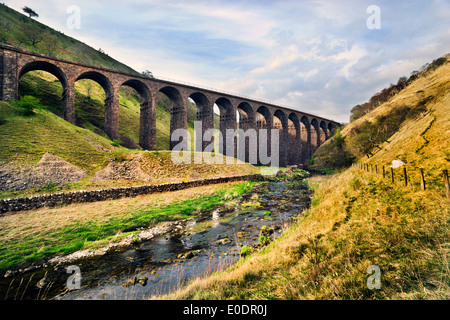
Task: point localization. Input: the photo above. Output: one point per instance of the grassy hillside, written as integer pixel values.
(18, 29)
(24, 140)
(413, 126)
(359, 219)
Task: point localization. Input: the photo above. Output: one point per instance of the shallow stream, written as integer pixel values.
(193, 248)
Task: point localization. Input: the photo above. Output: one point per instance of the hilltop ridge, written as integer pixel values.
(412, 126)
(26, 141)
(20, 30)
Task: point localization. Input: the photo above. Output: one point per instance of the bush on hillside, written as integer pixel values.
(27, 105)
(370, 135)
(334, 154)
(384, 95)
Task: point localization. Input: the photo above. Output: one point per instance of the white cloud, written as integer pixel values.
(351, 58)
(317, 56)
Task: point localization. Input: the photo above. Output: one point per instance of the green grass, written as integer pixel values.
(20, 251)
(61, 45)
(26, 139)
(89, 103)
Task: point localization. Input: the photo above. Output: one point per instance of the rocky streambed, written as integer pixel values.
(170, 255)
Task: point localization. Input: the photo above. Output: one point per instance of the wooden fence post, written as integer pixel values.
(422, 179)
(447, 185)
(392, 175)
(405, 176)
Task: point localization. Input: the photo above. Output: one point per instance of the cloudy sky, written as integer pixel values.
(317, 56)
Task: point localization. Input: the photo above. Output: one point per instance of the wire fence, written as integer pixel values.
(403, 175)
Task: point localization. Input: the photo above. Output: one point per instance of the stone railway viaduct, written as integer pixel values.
(300, 133)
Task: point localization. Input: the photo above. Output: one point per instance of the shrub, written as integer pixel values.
(333, 154)
(51, 186)
(245, 250)
(267, 213)
(262, 239)
(136, 240)
(26, 105)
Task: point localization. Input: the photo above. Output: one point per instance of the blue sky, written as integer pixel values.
(317, 56)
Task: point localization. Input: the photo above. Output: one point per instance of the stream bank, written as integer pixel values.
(174, 254)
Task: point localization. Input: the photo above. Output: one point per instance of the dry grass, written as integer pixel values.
(423, 141)
(358, 220)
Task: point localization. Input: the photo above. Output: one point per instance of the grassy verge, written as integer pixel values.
(356, 220)
(28, 237)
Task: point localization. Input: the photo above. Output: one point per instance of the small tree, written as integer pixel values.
(30, 12)
(32, 34)
(49, 43)
(367, 137)
(147, 73)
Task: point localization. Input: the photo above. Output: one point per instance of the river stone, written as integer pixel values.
(143, 281)
(131, 282)
(41, 284)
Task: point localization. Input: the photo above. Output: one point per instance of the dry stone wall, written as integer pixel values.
(60, 199)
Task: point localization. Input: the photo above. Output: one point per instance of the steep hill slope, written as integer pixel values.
(359, 219)
(18, 29)
(413, 126)
(24, 141)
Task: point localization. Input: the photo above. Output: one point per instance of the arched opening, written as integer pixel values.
(315, 135)
(263, 122)
(48, 83)
(95, 105)
(305, 136)
(172, 107)
(204, 114)
(135, 121)
(224, 109)
(280, 122)
(245, 118)
(294, 140)
(331, 129)
(323, 132)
